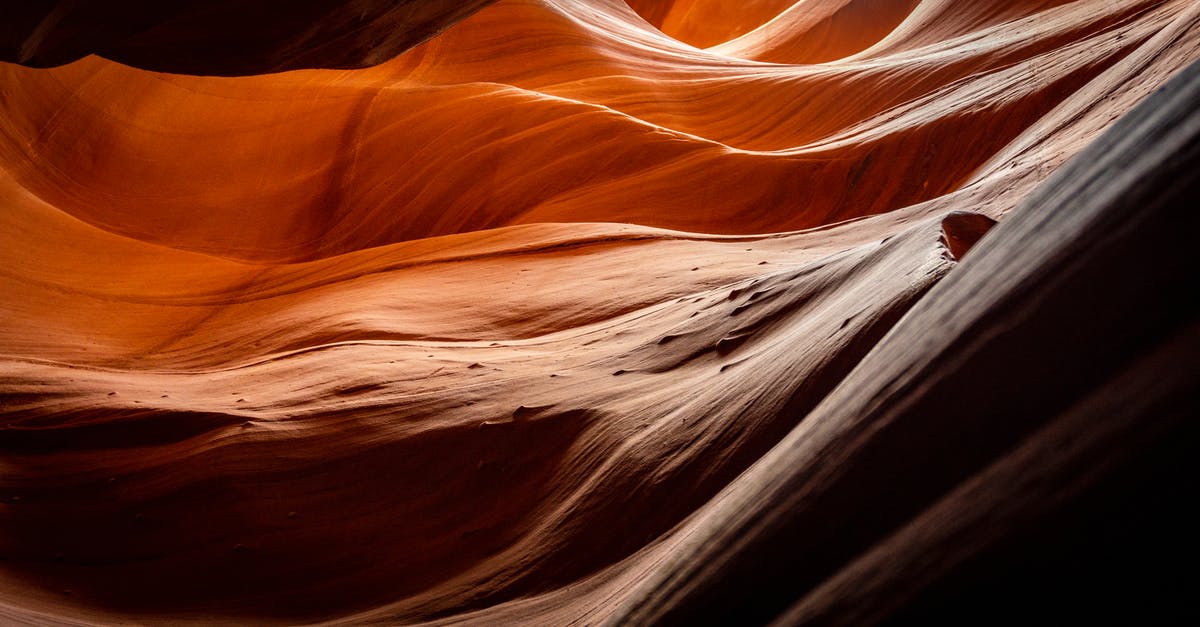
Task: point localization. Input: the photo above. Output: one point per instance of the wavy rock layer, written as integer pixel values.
(577, 311)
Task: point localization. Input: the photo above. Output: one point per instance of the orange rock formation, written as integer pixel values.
(531, 322)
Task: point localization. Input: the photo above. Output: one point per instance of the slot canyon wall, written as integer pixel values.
(599, 312)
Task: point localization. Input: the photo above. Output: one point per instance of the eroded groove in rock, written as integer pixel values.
(1025, 302)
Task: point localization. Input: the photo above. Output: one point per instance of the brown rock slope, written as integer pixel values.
(556, 318)
(223, 37)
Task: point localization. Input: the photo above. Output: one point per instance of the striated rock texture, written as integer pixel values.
(585, 312)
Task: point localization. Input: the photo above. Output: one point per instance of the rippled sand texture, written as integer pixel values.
(481, 331)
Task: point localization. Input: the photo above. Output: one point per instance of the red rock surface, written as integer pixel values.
(582, 311)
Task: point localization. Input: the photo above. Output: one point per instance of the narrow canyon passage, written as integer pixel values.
(590, 311)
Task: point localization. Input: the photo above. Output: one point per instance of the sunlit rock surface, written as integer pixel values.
(584, 311)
